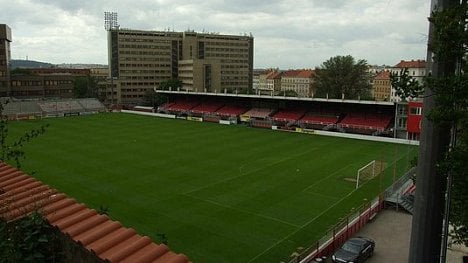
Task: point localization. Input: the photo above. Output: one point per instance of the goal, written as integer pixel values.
(366, 173)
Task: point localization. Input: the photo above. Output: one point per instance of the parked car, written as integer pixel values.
(355, 250)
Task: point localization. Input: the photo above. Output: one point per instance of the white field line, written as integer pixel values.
(310, 221)
(243, 211)
(325, 178)
(252, 171)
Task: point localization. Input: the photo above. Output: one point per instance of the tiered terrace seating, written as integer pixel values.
(368, 122)
(182, 106)
(207, 107)
(231, 111)
(316, 118)
(289, 115)
(165, 106)
(91, 105)
(259, 113)
(60, 106)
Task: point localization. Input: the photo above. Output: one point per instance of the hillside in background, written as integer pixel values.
(21, 63)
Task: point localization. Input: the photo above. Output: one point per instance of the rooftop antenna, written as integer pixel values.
(110, 21)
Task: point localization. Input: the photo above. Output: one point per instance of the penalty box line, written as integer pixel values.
(242, 210)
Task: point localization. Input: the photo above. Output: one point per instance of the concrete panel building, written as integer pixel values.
(141, 60)
(5, 54)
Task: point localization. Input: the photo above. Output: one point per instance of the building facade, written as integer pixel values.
(382, 87)
(5, 54)
(141, 60)
(45, 82)
(299, 81)
(416, 69)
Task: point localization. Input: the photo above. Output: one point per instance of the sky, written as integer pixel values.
(287, 34)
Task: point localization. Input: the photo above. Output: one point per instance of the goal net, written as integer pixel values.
(368, 171)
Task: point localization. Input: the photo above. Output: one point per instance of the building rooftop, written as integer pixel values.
(383, 75)
(20, 195)
(411, 64)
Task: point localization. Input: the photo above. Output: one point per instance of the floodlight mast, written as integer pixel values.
(110, 20)
(111, 23)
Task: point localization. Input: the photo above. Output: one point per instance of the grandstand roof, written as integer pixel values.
(411, 64)
(227, 95)
(21, 194)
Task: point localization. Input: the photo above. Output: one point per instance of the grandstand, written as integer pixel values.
(261, 113)
(206, 108)
(360, 117)
(17, 109)
(288, 115)
(366, 123)
(231, 111)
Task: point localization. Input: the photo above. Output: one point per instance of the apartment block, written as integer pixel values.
(381, 86)
(140, 60)
(299, 81)
(416, 69)
(5, 54)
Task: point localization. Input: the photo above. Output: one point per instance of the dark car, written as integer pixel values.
(355, 250)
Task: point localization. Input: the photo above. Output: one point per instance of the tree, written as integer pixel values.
(405, 85)
(153, 99)
(85, 87)
(171, 83)
(13, 150)
(450, 44)
(342, 75)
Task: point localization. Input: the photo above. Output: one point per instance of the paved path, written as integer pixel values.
(391, 231)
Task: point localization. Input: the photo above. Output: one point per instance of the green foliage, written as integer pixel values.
(13, 151)
(154, 99)
(342, 75)
(405, 85)
(171, 83)
(85, 87)
(30, 239)
(451, 110)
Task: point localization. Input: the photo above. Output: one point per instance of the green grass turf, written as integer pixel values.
(219, 193)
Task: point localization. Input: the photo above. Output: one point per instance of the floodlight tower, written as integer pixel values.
(111, 25)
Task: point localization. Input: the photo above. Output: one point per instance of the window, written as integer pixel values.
(416, 111)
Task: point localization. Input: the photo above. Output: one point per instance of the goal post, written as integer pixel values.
(367, 172)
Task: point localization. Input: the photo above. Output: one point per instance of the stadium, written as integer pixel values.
(198, 174)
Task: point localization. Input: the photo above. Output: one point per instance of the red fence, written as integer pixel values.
(342, 231)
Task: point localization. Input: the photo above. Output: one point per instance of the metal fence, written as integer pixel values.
(349, 225)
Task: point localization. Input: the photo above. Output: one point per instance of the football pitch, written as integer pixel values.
(217, 193)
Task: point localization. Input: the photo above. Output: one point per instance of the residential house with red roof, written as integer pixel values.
(299, 81)
(416, 69)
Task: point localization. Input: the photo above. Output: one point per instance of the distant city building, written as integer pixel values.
(416, 69)
(257, 73)
(45, 82)
(273, 82)
(381, 86)
(299, 81)
(5, 54)
(140, 60)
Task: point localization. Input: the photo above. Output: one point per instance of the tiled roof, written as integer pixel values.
(411, 64)
(274, 75)
(21, 194)
(383, 75)
(299, 73)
